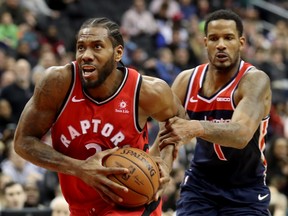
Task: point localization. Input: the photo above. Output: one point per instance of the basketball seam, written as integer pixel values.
(132, 205)
(140, 169)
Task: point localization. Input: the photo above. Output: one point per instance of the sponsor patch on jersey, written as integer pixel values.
(122, 107)
(223, 99)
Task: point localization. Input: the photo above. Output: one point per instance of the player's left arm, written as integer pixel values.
(159, 102)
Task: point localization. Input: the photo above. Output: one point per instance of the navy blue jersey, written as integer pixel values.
(224, 166)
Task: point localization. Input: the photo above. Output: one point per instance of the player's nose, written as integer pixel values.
(221, 44)
(88, 55)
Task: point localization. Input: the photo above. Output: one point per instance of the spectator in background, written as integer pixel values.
(7, 78)
(138, 59)
(3, 58)
(278, 74)
(188, 9)
(277, 175)
(173, 7)
(14, 196)
(182, 58)
(16, 10)
(59, 206)
(195, 42)
(140, 25)
(10, 63)
(5, 115)
(203, 8)
(179, 37)
(129, 48)
(164, 66)
(8, 32)
(32, 191)
(42, 12)
(47, 59)
(18, 169)
(68, 57)
(49, 187)
(277, 126)
(20, 91)
(165, 23)
(51, 37)
(172, 29)
(279, 31)
(278, 202)
(29, 40)
(277, 160)
(4, 179)
(24, 51)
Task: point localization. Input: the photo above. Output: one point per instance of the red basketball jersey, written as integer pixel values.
(86, 126)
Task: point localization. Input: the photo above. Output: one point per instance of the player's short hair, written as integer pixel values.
(226, 15)
(113, 29)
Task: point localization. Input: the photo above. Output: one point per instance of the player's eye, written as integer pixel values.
(213, 38)
(80, 47)
(98, 46)
(229, 38)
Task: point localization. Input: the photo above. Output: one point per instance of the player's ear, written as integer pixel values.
(119, 52)
(242, 42)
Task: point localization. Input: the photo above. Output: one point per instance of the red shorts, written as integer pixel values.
(153, 209)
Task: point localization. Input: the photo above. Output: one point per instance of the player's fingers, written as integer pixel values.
(109, 195)
(107, 200)
(158, 194)
(168, 141)
(102, 155)
(164, 180)
(113, 170)
(170, 121)
(157, 159)
(108, 152)
(114, 186)
(175, 152)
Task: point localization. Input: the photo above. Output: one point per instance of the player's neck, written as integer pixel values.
(108, 87)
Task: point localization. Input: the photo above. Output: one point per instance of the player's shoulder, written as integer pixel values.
(255, 81)
(56, 78)
(59, 70)
(256, 75)
(58, 74)
(182, 79)
(184, 75)
(152, 79)
(154, 87)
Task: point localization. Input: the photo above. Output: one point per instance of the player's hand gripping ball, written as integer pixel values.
(142, 179)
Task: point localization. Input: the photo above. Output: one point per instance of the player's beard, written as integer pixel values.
(104, 72)
(226, 68)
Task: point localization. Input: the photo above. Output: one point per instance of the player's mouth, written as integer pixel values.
(87, 70)
(221, 56)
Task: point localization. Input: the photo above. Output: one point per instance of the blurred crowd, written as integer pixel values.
(162, 38)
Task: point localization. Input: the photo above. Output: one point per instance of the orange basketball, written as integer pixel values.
(142, 179)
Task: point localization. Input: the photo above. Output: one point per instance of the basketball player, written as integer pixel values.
(228, 101)
(93, 107)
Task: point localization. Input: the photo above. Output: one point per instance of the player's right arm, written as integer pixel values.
(36, 120)
(38, 116)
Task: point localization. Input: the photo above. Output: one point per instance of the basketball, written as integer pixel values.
(142, 179)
